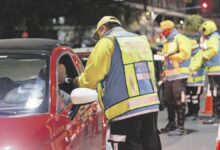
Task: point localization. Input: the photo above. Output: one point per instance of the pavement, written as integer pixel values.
(198, 137)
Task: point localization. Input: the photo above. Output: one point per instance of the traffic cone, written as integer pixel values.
(208, 103)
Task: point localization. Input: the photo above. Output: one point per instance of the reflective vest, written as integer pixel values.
(213, 65)
(175, 69)
(129, 88)
(197, 77)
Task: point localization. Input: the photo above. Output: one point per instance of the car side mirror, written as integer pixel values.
(82, 96)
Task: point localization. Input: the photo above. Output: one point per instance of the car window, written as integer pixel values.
(23, 84)
(65, 87)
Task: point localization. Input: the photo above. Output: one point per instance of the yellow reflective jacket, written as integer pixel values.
(178, 48)
(197, 70)
(126, 81)
(211, 54)
(98, 64)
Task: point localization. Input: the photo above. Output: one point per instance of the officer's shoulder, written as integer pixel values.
(182, 36)
(104, 40)
(216, 36)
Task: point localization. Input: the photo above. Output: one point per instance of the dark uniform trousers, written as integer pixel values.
(136, 133)
(214, 82)
(174, 93)
(193, 94)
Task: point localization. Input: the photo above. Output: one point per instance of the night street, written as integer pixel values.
(72, 70)
(200, 136)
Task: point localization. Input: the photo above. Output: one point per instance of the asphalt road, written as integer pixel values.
(199, 136)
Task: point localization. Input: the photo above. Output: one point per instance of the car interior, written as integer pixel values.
(22, 90)
(66, 88)
(17, 89)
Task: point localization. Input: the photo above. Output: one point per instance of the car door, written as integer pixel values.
(63, 125)
(86, 126)
(93, 123)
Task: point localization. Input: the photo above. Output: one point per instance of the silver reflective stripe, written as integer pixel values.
(213, 73)
(177, 78)
(215, 91)
(195, 84)
(135, 114)
(183, 97)
(195, 97)
(115, 146)
(195, 101)
(188, 100)
(143, 101)
(199, 90)
(117, 138)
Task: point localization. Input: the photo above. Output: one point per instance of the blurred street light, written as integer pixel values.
(54, 20)
(204, 5)
(61, 20)
(181, 22)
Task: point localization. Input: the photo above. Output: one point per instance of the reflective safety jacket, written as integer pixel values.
(178, 48)
(197, 70)
(129, 89)
(212, 54)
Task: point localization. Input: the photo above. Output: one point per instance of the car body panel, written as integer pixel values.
(22, 132)
(53, 130)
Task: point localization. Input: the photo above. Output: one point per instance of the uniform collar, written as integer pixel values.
(113, 30)
(212, 34)
(172, 35)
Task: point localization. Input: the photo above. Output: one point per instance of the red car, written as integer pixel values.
(218, 139)
(33, 115)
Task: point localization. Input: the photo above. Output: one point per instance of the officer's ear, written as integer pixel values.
(102, 30)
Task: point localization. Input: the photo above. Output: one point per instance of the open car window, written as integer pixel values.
(23, 84)
(65, 88)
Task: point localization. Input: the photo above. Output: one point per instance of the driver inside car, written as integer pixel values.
(64, 97)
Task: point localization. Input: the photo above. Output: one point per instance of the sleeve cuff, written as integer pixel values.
(80, 81)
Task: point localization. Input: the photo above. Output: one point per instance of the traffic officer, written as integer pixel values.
(211, 58)
(195, 82)
(177, 52)
(121, 68)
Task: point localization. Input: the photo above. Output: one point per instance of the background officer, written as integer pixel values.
(211, 58)
(195, 82)
(177, 52)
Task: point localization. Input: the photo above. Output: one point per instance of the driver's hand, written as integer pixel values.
(76, 82)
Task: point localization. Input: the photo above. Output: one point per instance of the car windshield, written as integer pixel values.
(23, 84)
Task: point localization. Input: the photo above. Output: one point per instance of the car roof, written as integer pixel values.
(28, 44)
